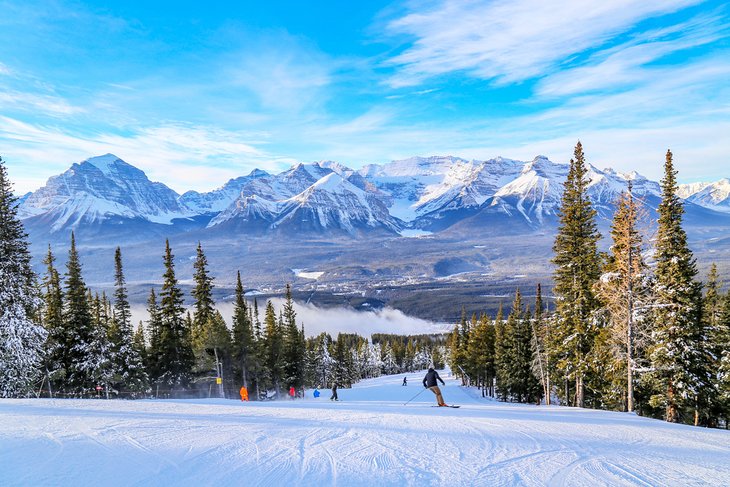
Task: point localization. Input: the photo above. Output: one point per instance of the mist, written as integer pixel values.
(333, 320)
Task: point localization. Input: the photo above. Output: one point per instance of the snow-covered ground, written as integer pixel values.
(369, 438)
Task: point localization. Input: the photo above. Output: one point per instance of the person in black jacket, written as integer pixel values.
(334, 392)
(430, 382)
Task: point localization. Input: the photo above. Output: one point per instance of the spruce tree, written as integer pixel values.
(21, 336)
(577, 267)
(78, 329)
(52, 322)
(100, 356)
(678, 355)
(722, 345)
(481, 355)
(293, 345)
(521, 381)
(153, 364)
(244, 340)
(502, 355)
(203, 305)
(712, 314)
(541, 338)
(272, 350)
(130, 375)
(175, 358)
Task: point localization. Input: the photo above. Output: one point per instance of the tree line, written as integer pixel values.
(60, 339)
(633, 329)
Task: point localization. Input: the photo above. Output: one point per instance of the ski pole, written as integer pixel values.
(414, 396)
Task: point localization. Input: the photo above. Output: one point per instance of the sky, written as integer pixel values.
(195, 93)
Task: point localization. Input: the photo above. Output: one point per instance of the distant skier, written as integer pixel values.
(334, 392)
(316, 393)
(430, 382)
(292, 392)
(244, 393)
(405, 381)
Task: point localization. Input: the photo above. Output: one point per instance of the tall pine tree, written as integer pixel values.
(53, 322)
(577, 267)
(130, 375)
(78, 336)
(678, 355)
(174, 353)
(21, 336)
(244, 340)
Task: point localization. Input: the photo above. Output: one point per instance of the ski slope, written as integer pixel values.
(369, 438)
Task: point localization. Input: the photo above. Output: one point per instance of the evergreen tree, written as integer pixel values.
(100, 356)
(272, 350)
(481, 355)
(343, 373)
(577, 267)
(540, 337)
(130, 375)
(713, 316)
(153, 364)
(78, 329)
(722, 346)
(293, 346)
(214, 340)
(203, 305)
(21, 336)
(139, 342)
(244, 340)
(53, 322)
(175, 351)
(521, 381)
(678, 357)
(502, 354)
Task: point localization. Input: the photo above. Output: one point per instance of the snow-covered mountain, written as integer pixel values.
(100, 189)
(710, 195)
(219, 199)
(426, 193)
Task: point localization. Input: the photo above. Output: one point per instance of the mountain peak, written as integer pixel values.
(104, 163)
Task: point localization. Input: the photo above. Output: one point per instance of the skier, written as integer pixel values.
(316, 393)
(244, 393)
(292, 392)
(430, 382)
(334, 392)
(405, 381)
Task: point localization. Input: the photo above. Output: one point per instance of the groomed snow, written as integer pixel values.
(370, 438)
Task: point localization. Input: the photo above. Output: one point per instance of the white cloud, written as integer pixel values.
(630, 63)
(336, 320)
(181, 156)
(511, 40)
(53, 106)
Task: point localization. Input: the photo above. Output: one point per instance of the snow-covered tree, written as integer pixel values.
(21, 336)
(130, 376)
(576, 270)
(678, 353)
(174, 353)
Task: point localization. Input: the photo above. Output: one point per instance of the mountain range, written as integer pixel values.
(342, 224)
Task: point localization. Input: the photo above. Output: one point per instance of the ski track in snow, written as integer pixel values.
(370, 438)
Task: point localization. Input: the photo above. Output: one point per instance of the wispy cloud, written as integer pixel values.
(182, 156)
(511, 40)
(635, 62)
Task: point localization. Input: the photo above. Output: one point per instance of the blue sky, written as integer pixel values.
(194, 93)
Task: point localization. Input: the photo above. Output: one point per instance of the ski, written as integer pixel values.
(447, 406)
